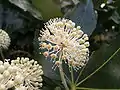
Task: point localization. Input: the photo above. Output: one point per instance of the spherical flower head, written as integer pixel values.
(62, 39)
(21, 73)
(29, 73)
(4, 39)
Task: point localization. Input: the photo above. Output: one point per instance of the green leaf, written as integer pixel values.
(51, 84)
(47, 8)
(84, 16)
(108, 76)
(27, 6)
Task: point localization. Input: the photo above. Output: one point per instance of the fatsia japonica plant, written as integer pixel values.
(59, 44)
(63, 42)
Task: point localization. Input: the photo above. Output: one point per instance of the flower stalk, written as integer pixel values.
(62, 73)
(62, 77)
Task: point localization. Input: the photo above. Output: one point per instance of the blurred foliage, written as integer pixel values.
(23, 20)
(20, 26)
(84, 15)
(27, 6)
(107, 27)
(108, 77)
(47, 8)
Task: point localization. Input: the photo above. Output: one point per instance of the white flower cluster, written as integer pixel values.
(4, 39)
(22, 74)
(61, 39)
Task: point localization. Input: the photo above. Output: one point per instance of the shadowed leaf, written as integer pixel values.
(27, 6)
(84, 15)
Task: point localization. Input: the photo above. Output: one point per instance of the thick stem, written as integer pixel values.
(73, 87)
(62, 73)
(72, 75)
(62, 77)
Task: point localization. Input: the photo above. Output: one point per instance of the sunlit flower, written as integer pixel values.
(62, 39)
(4, 39)
(22, 74)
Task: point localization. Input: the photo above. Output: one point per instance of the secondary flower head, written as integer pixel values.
(4, 39)
(62, 39)
(22, 74)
